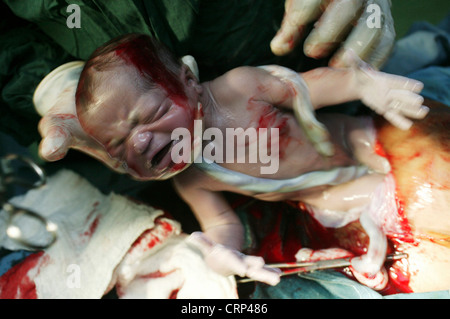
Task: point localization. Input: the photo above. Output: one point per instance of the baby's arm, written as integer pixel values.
(223, 234)
(394, 97)
(215, 216)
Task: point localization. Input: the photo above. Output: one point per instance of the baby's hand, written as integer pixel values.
(61, 131)
(395, 97)
(228, 262)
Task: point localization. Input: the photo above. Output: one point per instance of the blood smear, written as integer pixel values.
(18, 282)
(138, 54)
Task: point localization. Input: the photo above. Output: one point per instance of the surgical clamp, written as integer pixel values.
(9, 176)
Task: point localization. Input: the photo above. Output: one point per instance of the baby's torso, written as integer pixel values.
(284, 166)
(265, 141)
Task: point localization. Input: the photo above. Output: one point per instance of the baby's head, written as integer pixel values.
(132, 93)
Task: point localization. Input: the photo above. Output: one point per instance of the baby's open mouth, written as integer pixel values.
(161, 155)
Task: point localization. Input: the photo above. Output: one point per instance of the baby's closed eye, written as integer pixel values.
(116, 148)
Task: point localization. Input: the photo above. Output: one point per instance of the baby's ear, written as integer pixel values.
(190, 77)
(190, 62)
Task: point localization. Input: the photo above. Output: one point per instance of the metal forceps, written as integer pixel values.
(302, 267)
(17, 170)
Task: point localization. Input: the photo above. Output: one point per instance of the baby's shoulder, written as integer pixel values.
(240, 83)
(243, 79)
(243, 76)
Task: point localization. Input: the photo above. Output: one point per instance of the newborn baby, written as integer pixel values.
(133, 94)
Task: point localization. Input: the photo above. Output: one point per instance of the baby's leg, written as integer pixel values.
(355, 199)
(347, 197)
(361, 139)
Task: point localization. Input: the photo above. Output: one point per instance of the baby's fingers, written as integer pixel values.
(372, 160)
(221, 259)
(363, 148)
(398, 120)
(408, 104)
(402, 83)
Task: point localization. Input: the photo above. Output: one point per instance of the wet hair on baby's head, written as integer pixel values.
(153, 63)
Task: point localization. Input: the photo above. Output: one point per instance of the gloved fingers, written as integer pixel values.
(380, 15)
(54, 147)
(270, 276)
(298, 13)
(286, 38)
(257, 270)
(332, 27)
(348, 58)
(226, 261)
(381, 52)
(363, 41)
(398, 120)
(372, 39)
(56, 139)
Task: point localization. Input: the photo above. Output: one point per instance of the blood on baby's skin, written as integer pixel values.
(268, 116)
(178, 166)
(65, 116)
(137, 54)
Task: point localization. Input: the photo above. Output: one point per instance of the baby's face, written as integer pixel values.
(135, 128)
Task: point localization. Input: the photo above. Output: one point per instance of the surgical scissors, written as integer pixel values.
(302, 267)
(12, 167)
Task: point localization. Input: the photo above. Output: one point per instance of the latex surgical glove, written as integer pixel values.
(228, 262)
(394, 97)
(365, 26)
(60, 129)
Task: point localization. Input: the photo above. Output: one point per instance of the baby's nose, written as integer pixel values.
(141, 141)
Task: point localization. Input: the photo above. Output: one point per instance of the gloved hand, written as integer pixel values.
(54, 99)
(228, 262)
(372, 38)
